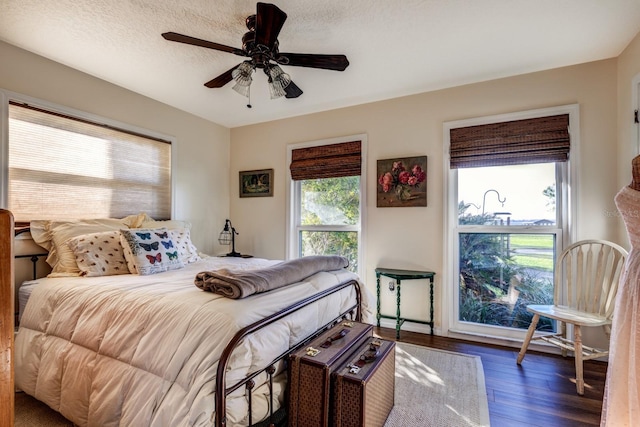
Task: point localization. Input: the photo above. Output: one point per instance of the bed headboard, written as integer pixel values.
(29, 262)
(7, 391)
(26, 249)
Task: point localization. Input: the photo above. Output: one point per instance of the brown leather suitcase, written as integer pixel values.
(310, 372)
(364, 387)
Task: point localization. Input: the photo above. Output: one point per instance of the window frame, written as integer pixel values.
(565, 228)
(294, 228)
(7, 96)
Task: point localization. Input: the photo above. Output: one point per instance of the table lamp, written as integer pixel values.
(228, 236)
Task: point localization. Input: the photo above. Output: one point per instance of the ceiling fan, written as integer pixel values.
(260, 45)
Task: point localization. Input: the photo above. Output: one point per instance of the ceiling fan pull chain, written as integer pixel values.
(249, 96)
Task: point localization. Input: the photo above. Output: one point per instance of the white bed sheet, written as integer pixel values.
(24, 292)
(143, 350)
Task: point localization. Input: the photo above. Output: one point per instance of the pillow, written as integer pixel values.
(187, 251)
(135, 221)
(41, 229)
(99, 254)
(40, 233)
(53, 236)
(169, 223)
(61, 258)
(149, 250)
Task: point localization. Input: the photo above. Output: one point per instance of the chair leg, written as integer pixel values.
(563, 333)
(577, 342)
(527, 338)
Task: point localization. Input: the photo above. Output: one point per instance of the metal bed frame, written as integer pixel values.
(270, 369)
(354, 312)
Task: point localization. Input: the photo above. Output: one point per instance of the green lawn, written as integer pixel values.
(534, 262)
(541, 241)
(541, 261)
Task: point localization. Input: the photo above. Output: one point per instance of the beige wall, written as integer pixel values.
(412, 238)
(202, 184)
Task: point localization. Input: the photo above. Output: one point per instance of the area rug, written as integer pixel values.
(438, 388)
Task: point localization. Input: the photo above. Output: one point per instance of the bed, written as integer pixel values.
(153, 349)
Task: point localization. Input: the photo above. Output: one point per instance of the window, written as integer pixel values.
(507, 239)
(508, 217)
(62, 165)
(326, 197)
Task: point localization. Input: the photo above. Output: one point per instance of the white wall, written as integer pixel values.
(202, 185)
(412, 238)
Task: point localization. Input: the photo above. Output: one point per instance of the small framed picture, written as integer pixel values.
(402, 182)
(258, 183)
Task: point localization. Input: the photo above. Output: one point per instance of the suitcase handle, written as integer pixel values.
(340, 334)
(369, 355)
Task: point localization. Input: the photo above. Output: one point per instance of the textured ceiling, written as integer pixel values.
(395, 48)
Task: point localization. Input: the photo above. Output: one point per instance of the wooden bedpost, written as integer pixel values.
(7, 392)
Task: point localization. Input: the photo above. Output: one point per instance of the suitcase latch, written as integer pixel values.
(312, 352)
(353, 369)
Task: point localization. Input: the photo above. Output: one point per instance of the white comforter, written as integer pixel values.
(143, 350)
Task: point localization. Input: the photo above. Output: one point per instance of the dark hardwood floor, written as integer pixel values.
(541, 392)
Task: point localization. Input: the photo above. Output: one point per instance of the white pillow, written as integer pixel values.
(99, 254)
(149, 250)
(63, 260)
(187, 251)
(40, 233)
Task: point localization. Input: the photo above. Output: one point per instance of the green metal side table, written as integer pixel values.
(399, 276)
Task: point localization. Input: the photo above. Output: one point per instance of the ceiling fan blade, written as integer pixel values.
(292, 90)
(269, 22)
(327, 62)
(222, 79)
(181, 38)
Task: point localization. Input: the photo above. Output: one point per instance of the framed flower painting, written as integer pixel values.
(402, 182)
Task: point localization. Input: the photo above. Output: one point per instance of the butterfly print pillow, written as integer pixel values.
(147, 251)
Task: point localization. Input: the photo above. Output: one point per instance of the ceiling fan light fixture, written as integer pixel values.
(279, 76)
(242, 74)
(278, 81)
(275, 90)
(242, 89)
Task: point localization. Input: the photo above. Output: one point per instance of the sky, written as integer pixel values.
(519, 186)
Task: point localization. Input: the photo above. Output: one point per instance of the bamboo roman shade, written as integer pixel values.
(326, 161)
(537, 140)
(61, 167)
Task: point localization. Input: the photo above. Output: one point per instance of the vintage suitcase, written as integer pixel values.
(363, 389)
(310, 372)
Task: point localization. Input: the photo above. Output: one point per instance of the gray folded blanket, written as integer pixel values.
(242, 283)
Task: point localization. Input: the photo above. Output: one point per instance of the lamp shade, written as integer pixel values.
(225, 237)
(278, 81)
(242, 89)
(242, 74)
(228, 236)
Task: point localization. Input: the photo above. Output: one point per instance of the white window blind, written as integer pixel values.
(61, 167)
